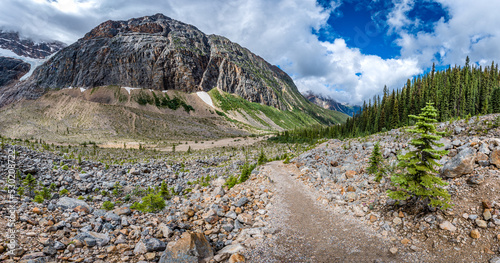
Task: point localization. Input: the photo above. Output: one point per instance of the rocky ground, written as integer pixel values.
(203, 220)
(322, 207)
(468, 232)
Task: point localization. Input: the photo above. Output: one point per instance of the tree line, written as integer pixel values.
(457, 92)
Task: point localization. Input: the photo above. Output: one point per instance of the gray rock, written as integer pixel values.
(484, 149)
(100, 239)
(110, 216)
(140, 248)
(211, 61)
(458, 130)
(476, 179)
(241, 202)
(70, 203)
(166, 230)
(481, 223)
(49, 250)
(228, 227)
(90, 242)
(12, 70)
(58, 245)
(462, 163)
(495, 260)
(446, 144)
(231, 214)
(153, 244)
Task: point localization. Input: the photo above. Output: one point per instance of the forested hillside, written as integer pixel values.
(456, 92)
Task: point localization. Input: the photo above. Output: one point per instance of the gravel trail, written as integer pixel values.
(305, 231)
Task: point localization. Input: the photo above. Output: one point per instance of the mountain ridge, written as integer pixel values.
(160, 53)
(331, 104)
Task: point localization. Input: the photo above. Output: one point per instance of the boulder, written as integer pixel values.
(462, 163)
(192, 247)
(495, 158)
(72, 203)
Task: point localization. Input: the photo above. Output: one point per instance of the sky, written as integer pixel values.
(346, 49)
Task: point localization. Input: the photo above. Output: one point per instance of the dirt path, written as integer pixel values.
(308, 232)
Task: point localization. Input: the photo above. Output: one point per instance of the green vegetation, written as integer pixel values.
(262, 158)
(63, 192)
(164, 191)
(151, 203)
(44, 193)
(108, 205)
(30, 183)
(163, 101)
(286, 119)
(246, 171)
(38, 199)
(117, 189)
(20, 191)
(376, 163)
(456, 93)
(418, 178)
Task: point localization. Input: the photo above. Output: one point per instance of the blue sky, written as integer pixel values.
(363, 24)
(345, 49)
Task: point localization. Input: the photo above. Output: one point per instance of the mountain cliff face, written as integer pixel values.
(159, 53)
(12, 69)
(331, 104)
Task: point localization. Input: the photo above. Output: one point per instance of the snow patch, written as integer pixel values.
(129, 89)
(82, 89)
(205, 98)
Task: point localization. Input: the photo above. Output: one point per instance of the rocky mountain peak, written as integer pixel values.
(160, 53)
(156, 24)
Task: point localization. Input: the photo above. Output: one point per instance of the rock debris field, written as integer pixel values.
(321, 207)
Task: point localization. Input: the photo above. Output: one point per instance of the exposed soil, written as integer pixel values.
(309, 232)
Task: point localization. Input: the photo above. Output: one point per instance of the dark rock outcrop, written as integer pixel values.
(12, 69)
(160, 53)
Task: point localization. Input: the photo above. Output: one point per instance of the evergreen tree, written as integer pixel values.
(418, 178)
(376, 163)
(30, 183)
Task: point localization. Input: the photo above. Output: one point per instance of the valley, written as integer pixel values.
(148, 140)
(310, 203)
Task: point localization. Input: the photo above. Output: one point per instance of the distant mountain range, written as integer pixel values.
(331, 104)
(156, 54)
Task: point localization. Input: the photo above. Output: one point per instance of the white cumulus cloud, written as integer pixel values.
(281, 32)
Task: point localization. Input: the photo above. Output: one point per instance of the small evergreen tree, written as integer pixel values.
(30, 183)
(418, 178)
(262, 158)
(151, 203)
(376, 163)
(164, 191)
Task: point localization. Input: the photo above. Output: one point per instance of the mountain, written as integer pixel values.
(159, 53)
(134, 63)
(331, 104)
(26, 47)
(20, 56)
